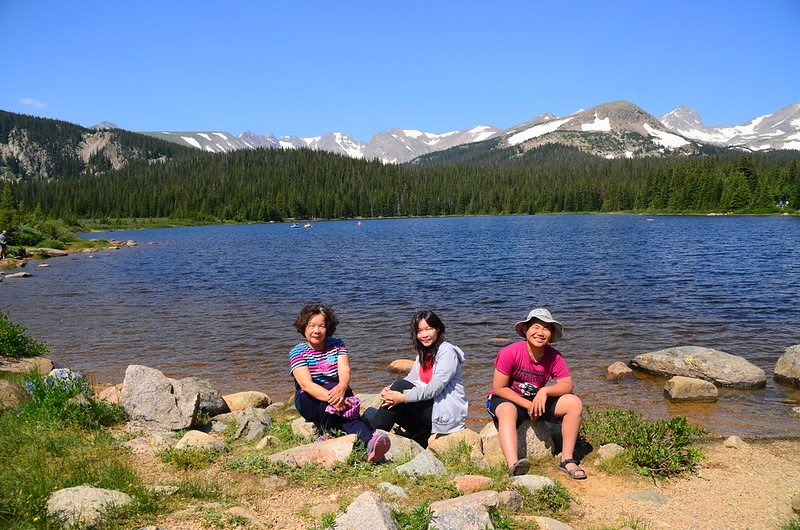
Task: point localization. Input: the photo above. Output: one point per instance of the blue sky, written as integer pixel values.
(307, 68)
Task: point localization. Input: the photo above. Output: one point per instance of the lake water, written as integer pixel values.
(219, 301)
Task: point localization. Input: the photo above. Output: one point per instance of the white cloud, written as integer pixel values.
(33, 103)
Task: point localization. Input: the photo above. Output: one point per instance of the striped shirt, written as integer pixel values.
(323, 365)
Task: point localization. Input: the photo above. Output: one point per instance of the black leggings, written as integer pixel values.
(414, 418)
(313, 410)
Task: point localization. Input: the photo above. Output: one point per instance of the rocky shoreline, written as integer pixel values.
(160, 408)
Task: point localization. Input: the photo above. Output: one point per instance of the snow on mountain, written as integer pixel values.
(612, 130)
(779, 130)
(394, 146)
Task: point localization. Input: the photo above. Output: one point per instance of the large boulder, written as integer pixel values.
(154, 399)
(441, 443)
(210, 401)
(201, 440)
(400, 366)
(84, 506)
(246, 400)
(11, 395)
(534, 440)
(787, 369)
(702, 363)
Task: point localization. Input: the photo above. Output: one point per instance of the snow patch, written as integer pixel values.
(204, 135)
(412, 133)
(286, 145)
(191, 141)
(221, 135)
(668, 140)
(482, 136)
(209, 148)
(597, 124)
(536, 130)
(792, 145)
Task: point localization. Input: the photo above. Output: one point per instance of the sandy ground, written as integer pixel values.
(735, 488)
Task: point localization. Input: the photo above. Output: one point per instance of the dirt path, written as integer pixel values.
(746, 488)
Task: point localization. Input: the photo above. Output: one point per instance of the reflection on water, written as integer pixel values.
(219, 302)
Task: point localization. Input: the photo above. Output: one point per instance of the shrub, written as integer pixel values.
(655, 447)
(14, 342)
(26, 235)
(52, 243)
(188, 457)
(417, 519)
(54, 398)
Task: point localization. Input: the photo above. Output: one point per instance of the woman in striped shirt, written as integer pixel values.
(321, 372)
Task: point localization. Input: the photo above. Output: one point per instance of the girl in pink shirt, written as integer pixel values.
(520, 391)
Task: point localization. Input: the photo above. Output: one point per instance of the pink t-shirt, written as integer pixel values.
(515, 362)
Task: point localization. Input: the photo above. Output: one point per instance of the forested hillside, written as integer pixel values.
(264, 184)
(40, 148)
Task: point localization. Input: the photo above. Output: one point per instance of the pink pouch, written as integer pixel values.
(352, 411)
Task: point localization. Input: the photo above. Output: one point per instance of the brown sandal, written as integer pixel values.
(577, 473)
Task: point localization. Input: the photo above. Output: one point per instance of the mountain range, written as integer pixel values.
(612, 130)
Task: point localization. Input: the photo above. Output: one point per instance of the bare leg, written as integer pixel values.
(569, 407)
(507, 429)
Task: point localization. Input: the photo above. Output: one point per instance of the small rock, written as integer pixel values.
(461, 517)
(608, 451)
(441, 443)
(400, 366)
(734, 442)
(110, 394)
(366, 512)
(532, 483)
(796, 504)
(267, 441)
(325, 453)
(511, 499)
(84, 506)
(391, 489)
(301, 427)
(425, 463)
(244, 513)
(318, 510)
(200, 440)
(244, 400)
(43, 265)
(471, 483)
(18, 275)
(787, 369)
(274, 482)
(796, 412)
(548, 523)
(648, 496)
(618, 371)
(163, 490)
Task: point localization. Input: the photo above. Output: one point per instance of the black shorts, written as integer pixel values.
(549, 413)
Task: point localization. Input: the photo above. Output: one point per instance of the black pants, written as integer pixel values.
(313, 410)
(414, 418)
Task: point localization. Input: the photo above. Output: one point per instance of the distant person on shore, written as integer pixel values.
(431, 398)
(3, 244)
(321, 372)
(520, 391)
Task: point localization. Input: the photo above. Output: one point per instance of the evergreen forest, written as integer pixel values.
(274, 184)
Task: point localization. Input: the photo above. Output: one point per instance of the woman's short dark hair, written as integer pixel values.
(310, 311)
(427, 355)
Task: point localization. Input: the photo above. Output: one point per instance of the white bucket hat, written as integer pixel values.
(544, 315)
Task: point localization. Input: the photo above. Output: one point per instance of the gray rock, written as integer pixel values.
(325, 453)
(470, 516)
(11, 395)
(402, 448)
(487, 499)
(511, 499)
(702, 363)
(734, 442)
(256, 432)
(787, 369)
(425, 463)
(84, 506)
(681, 388)
(548, 523)
(608, 451)
(200, 440)
(391, 489)
(534, 440)
(210, 400)
(301, 427)
(19, 275)
(532, 483)
(648, 496)
(148, 396)
(366, 512)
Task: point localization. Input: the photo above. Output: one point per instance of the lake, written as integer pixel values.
(219, 302)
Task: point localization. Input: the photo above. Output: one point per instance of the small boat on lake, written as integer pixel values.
(294, 225)
(359, 223)
(307, 225)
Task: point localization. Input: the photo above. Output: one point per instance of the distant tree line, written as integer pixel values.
(274, 184)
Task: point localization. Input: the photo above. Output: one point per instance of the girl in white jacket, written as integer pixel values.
(431, 398)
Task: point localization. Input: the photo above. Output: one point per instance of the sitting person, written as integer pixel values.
(431, 398)
(520, 391)
(321, 371)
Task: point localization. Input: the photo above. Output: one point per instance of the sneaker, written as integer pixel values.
(377, 447)
(521, 467)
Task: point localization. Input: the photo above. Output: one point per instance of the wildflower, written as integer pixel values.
(36, 519)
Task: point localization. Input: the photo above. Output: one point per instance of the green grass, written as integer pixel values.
(418, 518)
(654, 447)
(188, 457)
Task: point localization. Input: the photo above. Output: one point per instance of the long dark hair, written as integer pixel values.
(427, 355)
